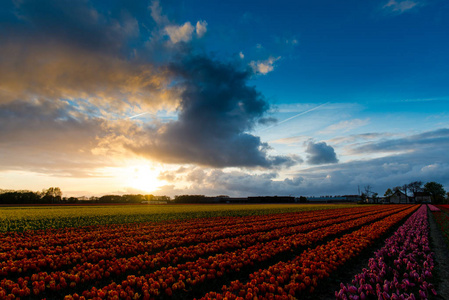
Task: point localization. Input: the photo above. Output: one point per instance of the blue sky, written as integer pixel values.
(223, 97)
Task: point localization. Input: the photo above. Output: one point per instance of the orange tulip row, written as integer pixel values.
(105, 268)
(133, 244)
(58, 280)
(286, 280)
(186, 276)
(55, 239)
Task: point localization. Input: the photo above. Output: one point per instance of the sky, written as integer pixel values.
(238, 98)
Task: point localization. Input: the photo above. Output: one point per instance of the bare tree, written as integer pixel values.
(368, 191)
(415, 186)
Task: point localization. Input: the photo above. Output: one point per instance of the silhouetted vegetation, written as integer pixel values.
(48, 196)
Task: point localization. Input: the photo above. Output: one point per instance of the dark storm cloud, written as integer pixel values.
(320, 153)
(76, 23)
(66, 53)
(216, 111)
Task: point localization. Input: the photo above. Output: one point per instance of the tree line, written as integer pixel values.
(434, 189)
(46, 196)
(53, 195)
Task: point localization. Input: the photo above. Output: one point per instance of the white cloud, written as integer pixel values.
(265, 66)
(156, 13)
(241, 55)
(201, 28)
(345, 126)
(181, 33)
(400, 6)
(430, 168)
(176, 33)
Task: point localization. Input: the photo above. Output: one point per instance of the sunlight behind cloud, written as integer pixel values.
(140, 176)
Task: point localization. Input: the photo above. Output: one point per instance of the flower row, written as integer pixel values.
(105, 268)
(56, 238)
(433, 207)
(443, 222)
(399, 270)
(302, 274)
(93, 252)
(444, 207)
(186, 276)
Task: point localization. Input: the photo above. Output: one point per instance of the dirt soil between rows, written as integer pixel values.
(441, 250)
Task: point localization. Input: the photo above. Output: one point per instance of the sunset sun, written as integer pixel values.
(143, 177)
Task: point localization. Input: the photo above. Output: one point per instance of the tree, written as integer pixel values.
(375, 197)
(415, 186)
(436, 191)
(363, 198)
(302, 199)
(52, 195)
(396, 188)
(368, 191)
(388, 193)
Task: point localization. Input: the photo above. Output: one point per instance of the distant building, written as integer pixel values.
(334, 199)
(154, 202)
(399, 197)
(271, 199)
(230, 200)
(422, 197)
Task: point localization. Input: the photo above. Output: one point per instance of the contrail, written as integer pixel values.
(132, 117)
(300, 114)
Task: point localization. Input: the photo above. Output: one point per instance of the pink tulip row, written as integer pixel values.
(401, 269)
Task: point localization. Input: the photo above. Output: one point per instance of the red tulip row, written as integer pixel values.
(57, 238)
(187, 275)
(54, 240)
(444, 207)
(443, 222)
(93, 252)
(285, 280)
(87, 271)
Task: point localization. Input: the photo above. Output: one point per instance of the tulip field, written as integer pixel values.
(250, 252)
(441, 215)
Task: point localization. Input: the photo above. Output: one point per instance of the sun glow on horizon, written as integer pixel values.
(142, 177)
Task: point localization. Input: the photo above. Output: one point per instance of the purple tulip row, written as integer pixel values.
(433, 207)
(399, 270)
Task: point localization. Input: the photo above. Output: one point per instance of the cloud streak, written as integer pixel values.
(400, 7)
(413, 143)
